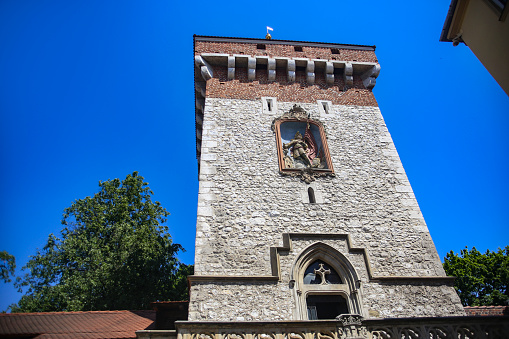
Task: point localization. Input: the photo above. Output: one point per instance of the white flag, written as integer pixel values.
(269, 29)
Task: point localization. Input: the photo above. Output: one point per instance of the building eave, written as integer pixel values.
(452, 30)
(448, 21)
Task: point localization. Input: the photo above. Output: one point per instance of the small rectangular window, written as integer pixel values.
(324, 107)
(334, 51)
(269, 105)
(298, 48)
(260, 46)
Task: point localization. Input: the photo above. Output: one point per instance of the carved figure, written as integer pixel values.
(298, 148)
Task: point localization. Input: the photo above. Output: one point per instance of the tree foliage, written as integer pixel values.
(7, 266)
(481, 279)
(113, 253)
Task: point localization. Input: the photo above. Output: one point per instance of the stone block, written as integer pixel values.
(205, 211)
(209, 144)
(207, 169)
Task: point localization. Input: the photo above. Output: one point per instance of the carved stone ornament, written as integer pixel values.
(350, 319)
(202, 336)
(307, 175)
(296, 112)
(352, 326)
(265, 336)
(302, 146)
(234, 336)
(293, 335)
(326, 335)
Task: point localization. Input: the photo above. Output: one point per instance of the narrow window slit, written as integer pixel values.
(311, 194)
(269, 105)
(325, 107)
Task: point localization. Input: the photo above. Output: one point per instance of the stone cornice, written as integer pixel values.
(231, 278)
(333, 322)
(287, 246)
(311, 64)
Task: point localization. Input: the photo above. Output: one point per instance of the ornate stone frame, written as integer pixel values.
(298, 114)
(350, 289)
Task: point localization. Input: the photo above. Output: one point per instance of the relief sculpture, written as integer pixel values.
(302, 145)
(304, 151)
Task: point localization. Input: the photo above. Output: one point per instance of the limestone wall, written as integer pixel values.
(245, 205)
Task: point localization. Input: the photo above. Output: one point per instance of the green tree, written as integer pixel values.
(7, 266)
(113, 253)
(481, 279)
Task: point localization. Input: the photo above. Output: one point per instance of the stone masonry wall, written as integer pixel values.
(275, 301)
(245, 205)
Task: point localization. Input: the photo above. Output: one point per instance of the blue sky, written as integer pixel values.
(94, 90)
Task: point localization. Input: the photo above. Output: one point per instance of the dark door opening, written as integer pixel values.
(325, 306)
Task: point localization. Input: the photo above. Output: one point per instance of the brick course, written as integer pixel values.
(240, 88)
(487, 310)
(284, 51)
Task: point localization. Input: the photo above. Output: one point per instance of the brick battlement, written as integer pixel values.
(288, 49)
(287, 70)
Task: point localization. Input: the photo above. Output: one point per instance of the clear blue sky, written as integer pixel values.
(93, 90)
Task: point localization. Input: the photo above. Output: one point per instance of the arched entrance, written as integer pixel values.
(325, 284)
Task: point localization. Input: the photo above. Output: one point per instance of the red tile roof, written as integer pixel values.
(486, 310)
(90, 325)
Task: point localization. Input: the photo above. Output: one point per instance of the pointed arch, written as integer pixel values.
(348, 288)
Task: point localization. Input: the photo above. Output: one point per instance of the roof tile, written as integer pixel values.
(89, 325)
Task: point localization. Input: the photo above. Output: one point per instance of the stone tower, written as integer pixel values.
(304, 209)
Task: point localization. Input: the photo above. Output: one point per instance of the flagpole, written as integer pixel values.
(268, 36)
